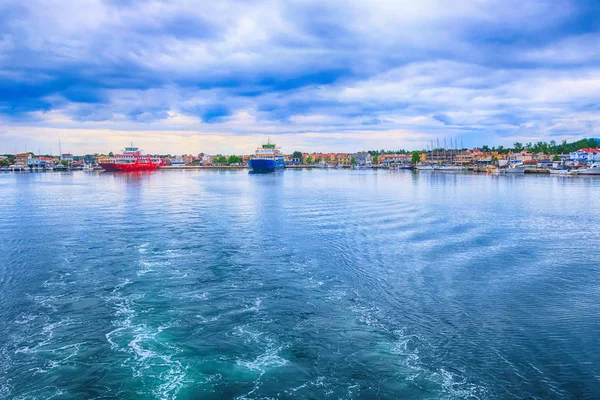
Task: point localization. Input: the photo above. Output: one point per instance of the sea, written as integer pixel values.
(299, 284)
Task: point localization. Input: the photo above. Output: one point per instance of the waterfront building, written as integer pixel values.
(521, 156)
(206, 160)
(393, 159)
(50, 161)
(585, 155)
(22, 159)
(464, 157)
(187, 159)
(34, 162)
(344, 158)
(362, 158)
(177, 161)
(541, 156)
(289, 160)
(68, 157)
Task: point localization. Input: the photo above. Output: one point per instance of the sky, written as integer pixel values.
(180, 76)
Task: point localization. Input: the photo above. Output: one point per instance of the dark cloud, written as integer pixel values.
(472, 66)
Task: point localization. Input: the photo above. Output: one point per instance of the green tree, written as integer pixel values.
(234, 160)
(556, 158)
(353, 161)
(309, 160)
(517, 146)
(529, 146)
(219, 160)
(110, 154)
(485, 148)
(415, 157)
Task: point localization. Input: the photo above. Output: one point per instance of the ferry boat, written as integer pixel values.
(267, 158)
(131, 160)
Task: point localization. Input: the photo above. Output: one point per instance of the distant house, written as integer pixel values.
(521, 157)
(390, 159)
(68, 157)
(36, 163)
(50, 161)
(22, 159)
(585, 155)
(177, 161)
(206, 160)
(541, 156)
(343, 158)
(464, 157)
(362, 158)
(545, 164)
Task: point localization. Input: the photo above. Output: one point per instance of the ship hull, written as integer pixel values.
(259, 165)
(594, 171)
(133, 167)
(108, 167)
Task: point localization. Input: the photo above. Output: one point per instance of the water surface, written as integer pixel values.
(300, 284)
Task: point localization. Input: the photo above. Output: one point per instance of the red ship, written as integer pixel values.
(131, 160)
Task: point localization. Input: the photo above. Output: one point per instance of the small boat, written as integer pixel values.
(563, 172)
(426, 167)
(515, 169)
(451, 168)
(593, 169)
(367, 165)
(405, 167)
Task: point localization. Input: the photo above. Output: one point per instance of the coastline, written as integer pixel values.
(227, 167)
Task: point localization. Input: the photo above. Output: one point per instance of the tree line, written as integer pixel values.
(551, 147)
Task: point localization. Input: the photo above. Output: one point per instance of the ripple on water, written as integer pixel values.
(306, 284)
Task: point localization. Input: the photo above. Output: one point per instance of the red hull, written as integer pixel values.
(133, 167)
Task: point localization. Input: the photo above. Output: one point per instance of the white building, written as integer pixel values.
(585, 155)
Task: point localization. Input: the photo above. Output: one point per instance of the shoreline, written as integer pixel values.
(227, 167)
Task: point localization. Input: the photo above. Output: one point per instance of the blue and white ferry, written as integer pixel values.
(267, 158)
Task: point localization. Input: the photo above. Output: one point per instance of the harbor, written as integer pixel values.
(567, 159)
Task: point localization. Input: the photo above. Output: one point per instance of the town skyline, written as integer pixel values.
(553, 147)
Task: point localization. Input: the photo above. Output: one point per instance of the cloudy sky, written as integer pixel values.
(188, 76)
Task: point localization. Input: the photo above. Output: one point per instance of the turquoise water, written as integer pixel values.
(299, 284)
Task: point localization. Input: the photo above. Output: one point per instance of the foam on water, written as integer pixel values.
(150, 357)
